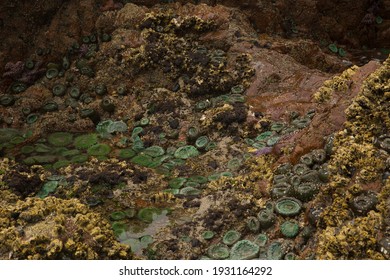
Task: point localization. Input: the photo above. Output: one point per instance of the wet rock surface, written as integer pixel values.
(170, 128)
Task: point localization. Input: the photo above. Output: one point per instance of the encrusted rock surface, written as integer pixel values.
(136, 86)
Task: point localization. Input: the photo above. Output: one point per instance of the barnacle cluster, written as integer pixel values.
(356, 215)
(172, 44)
(55, 229)
(339, 83)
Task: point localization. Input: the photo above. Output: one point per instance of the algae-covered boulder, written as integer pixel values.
(53, 228)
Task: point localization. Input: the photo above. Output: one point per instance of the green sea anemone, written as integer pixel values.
(100, 89)
(288, 206)
(307, 159)
(333, 48)
(208, 234)
(27, 149)
(116, 126)
(263, 136)
(275, 251)
(149, 214)
(99, 150)
(51, 73)
(218, 251)
(50, 106)
(261, 240)
(277, 127)
(211, 146)
(192, 184)
(154, 151)
(290, 256)
(79, 158)
(272, 141)
(74, 92)
(301, 123)
(281, 178)
(42, 148)
(60, 139)
(7, 100)
(45, 159)
(107, 105)
(190, 191)
(238, 89)
(29, 64)
(231, 237)
(234, 164)
(121, 90)
(281, 190)
(186, 152)
(144, 121)
(59, 90)
(342, 52)
(116, 216)
(47, 188)
(300, 168)
(202, 105)
(363, 203)
(119, 227)
(146, 240)
(253, 224)
(201, 142)
(319, 156)
(177, 183)
(290, 228)
(305, 191)
(192, 133)
(85, 141)
(198, 179)
(61, 163)
(142, 159)
(127, 153)
(18, 87)
(266, 218)
(244, 250)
